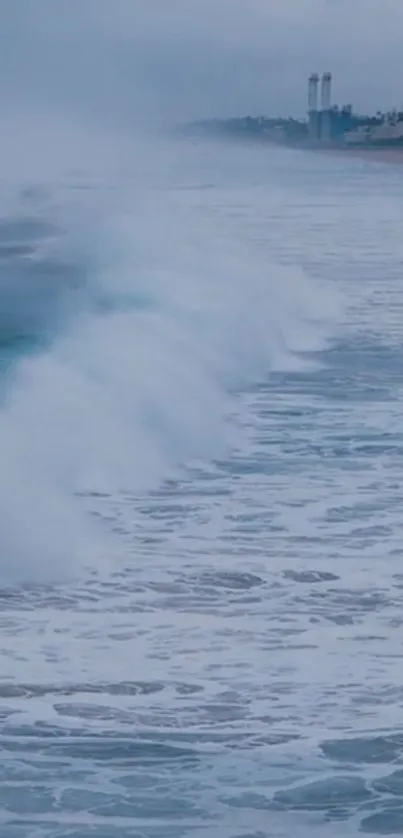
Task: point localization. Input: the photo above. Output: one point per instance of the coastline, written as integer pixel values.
(392, 155)
(388, 156)
(375, 155)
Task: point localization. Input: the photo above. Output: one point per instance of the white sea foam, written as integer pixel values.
(178, 309)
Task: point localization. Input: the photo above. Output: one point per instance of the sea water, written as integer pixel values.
(201, 496)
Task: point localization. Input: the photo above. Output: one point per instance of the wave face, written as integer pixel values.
(126, 334)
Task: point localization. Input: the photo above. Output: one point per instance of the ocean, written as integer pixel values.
(201, 496)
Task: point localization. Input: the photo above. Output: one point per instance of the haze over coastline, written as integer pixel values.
(122, 63)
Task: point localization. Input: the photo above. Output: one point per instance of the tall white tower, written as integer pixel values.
(313, 90)
(325, 105)
(313, 96)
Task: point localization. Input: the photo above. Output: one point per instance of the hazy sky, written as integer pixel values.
(198, 57)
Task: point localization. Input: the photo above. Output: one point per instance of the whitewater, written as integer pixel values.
(201, 504)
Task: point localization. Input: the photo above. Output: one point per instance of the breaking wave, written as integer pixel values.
(125, 335)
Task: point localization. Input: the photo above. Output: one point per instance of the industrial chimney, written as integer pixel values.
(325, 105)
(313, 89)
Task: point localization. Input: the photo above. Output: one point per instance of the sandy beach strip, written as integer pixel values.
(377, 155)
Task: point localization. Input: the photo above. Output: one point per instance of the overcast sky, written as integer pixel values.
(189, 58)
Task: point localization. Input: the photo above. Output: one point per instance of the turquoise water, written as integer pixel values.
(201, 499)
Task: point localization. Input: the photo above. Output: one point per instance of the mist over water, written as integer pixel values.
(132, 313)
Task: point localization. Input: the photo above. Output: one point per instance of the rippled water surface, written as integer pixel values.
(225, 402)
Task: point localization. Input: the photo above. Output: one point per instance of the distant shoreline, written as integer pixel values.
(376, 155)
(389, 156)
